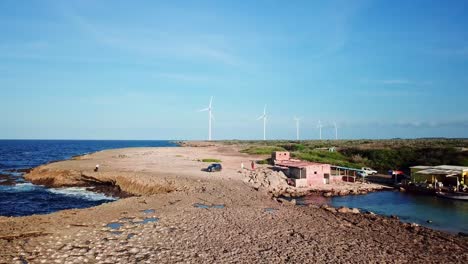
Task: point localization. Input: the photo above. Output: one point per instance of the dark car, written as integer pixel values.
(214, 167)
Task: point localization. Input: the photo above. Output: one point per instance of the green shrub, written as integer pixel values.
(211, 160)
(293, 147)
(262, 150)
(265, 161)
(334, 158)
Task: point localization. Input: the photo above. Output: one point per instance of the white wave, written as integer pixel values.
(20, 187)
(81, 192)
(24, 187)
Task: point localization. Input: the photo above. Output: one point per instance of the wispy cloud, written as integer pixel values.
(455, 123)
(433, 123)
(388, 93)
(397, 82)
(338, 18)
(394, 81)
(156, 44)
(185, 77)
(460, 51)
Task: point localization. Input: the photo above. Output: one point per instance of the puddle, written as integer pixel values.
(114, 225)
(147, 220)
(270, 210)
(131, 235)
(149, 211)
(199, 205)
(204, 206)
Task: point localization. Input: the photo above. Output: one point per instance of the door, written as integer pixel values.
(326, 178)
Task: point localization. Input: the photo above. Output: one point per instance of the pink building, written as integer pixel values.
(307, 174)
(280, 155)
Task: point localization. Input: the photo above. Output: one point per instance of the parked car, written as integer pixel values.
(214, 167)
(398, 175)
(362, 173)
(369, 171)
(396, 172)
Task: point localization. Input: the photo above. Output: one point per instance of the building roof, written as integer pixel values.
(440, 170)
(296, 163)
(434, 171)
(451, 167)
(421, 167)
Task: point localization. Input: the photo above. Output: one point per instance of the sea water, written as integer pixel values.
(19, 197)
(430, 211)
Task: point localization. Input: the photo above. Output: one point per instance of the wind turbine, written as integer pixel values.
(336, 130)
(210, 116)
(320, 128)
(297, 126)
(264, 117)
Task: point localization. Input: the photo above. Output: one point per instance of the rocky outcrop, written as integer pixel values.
(118, 185)
(346, 210)
(54, 177)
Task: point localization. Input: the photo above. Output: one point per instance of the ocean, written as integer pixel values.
(430, 211)
(20, 198)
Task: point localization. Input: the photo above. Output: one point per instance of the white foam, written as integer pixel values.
(24, 187)
(81, 192)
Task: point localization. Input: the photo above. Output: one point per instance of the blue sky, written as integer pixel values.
(142, 69)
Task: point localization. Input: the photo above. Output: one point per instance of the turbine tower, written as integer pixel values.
(297, 126)
(210, 116)
(320, 128)
(264, 117)
(336, 130)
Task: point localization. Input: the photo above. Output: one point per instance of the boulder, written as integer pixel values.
(343, 193)
(343, 210)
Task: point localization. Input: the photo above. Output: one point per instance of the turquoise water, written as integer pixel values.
(445, 214)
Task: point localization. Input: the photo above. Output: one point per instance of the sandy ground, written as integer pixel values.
(239, 222)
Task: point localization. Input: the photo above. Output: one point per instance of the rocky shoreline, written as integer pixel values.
(275, 183)
(182, 214)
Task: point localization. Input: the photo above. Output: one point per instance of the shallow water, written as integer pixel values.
(148, 220)
(445, 214)
(270, 210)
(20, 198)
(204, 206)
(114, 225)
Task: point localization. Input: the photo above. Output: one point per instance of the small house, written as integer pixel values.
(305, 174)
(280, 155)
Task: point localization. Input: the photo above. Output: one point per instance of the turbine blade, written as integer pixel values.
(260, 117)
(203, 110)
